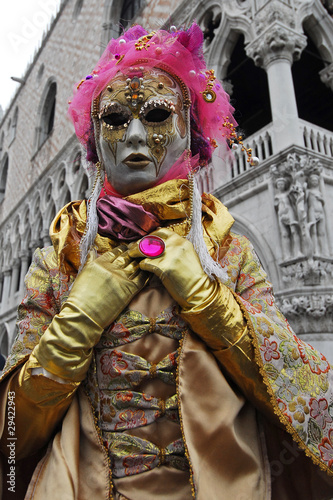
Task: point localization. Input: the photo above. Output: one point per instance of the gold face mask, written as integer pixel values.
(142, 129)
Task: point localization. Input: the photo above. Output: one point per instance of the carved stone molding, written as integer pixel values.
(328, 4)
(210, 24)
(307, 272)
(308, 313)
(273, 11)
(326, 76)
(299, 205)
(276, 42)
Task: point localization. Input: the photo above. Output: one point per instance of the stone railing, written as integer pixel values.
(261, 144)
(317, 139)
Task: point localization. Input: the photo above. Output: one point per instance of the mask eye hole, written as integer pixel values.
(157, 115)
(114, 115)
(116, 119)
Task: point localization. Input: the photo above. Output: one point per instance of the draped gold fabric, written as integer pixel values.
(169, 202)
(219, 424)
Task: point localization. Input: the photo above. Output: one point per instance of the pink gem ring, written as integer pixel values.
(151, 246)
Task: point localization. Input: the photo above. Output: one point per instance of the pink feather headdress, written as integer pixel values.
(179, 53)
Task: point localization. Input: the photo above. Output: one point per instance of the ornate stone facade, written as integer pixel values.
(284, 205)
(300, 207)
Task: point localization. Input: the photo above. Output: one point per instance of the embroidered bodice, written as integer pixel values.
(121, 385)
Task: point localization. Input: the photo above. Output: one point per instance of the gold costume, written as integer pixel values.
(237, 376)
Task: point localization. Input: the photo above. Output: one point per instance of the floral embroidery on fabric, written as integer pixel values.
(296, 373)
(283, 407)
(47, 288)
(134, 464)
(317, 362)
(119, 412)
(266, 327)
(120, 407)
(113, 364)
(121, 370)
(129, 419)
(319, 411)
(133, 325)
(144, 455)
(326, 449)
(270, 350)
(299, 409)
(299, 378)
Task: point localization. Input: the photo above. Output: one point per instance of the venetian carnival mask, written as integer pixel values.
(143, 128)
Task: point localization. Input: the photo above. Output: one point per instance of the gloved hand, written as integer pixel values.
(99, 294)
(212, 310)
(207, 305)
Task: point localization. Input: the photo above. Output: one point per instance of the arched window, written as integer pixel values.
(249, 90)
(83, 188)
(2, 141)
(128, 12)
(4, 346)
(314, 99)
(13, 126)
(48, 192)
(77, 9)
(62, 179)
(211, 21)
(3, 177)
(52, 214)
(40, 73)
(77, 163)
(119, 15)
(67, 198)
(47, 114)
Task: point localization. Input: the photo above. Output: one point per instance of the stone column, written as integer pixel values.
(46, 238)
(6, 288)
(24, 270)
(1, 288)
(15, 277)
(275, 49)
(34, 244)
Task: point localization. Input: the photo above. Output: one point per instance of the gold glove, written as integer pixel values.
(99, 294)
(207, 305)
(212, 310)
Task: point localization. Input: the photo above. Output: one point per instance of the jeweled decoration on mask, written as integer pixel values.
(209, 94)
(152, 97)
(108, 115)
(134, 95)
(235, 141)
(144, 41)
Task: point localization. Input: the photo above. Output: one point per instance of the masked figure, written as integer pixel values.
(151, 361)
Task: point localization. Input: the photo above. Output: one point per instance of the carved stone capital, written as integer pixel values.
(16, 263)
(272, 11)
(34, 244)
(276, 42)
(24, 255)
(326, 76)
(308, 313)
